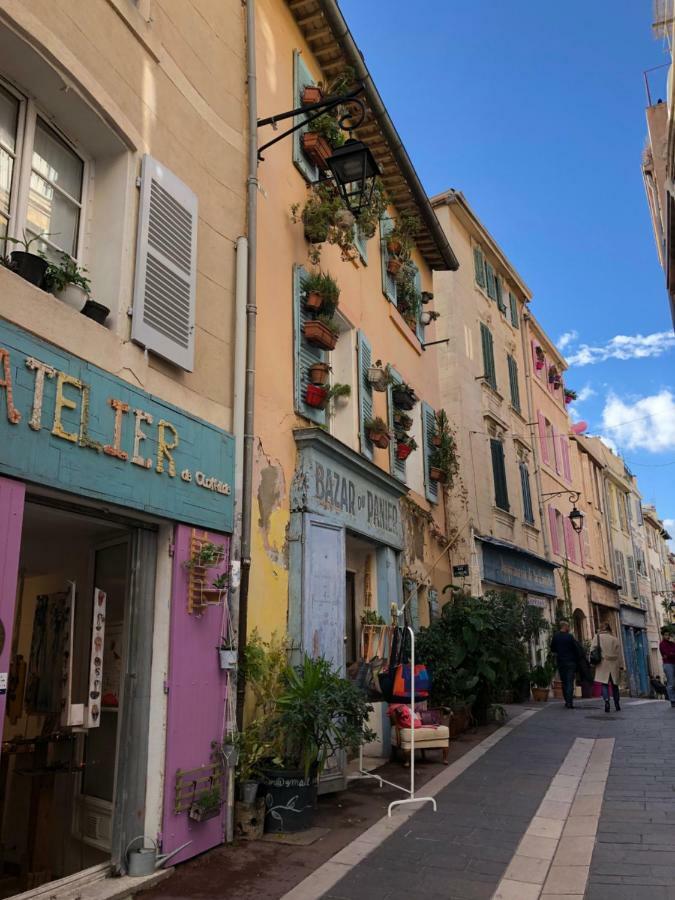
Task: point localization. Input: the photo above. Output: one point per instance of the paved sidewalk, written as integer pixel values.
(615, 794)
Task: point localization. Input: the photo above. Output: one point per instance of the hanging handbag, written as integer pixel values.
(376, 663)
(403, 680)
(596, 653)
(385, 677)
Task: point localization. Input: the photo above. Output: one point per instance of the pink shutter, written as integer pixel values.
(570, 541)
(542, 437)
(555, 543)
(565, 448)
(11, 519)
(556, 453)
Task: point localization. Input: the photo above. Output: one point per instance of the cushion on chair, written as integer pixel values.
(422, 735)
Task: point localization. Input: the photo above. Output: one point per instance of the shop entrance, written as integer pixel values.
(61, 729)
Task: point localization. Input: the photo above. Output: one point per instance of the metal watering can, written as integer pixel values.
(145, 860)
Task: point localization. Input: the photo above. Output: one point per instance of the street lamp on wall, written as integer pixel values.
(576, 516)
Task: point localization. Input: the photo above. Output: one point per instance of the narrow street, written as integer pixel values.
(565, 804)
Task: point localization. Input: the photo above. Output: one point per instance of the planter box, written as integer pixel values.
(437, 474)
(96, 311)
(249, 820)
(436, 440)
(320, 335)
(394, 246)
(314, 301)
(394, 265)
(247, 791)
(197, 814)
(318, 373)
(380, 438)
(311, 93)
(403, 451)
(316, 148)
(315, 396)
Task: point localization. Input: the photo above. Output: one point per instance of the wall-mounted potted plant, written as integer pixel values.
(230, 749)
(68, 282)
(540, 359)
(404, 396)
(402, 420)
(311, 93)
(570, 396)
(207, 556)
(322, 293)
(206, 805)
(29, 266)
(401, 238)
(378, 432)
(227, 654)
(316, 396)
(321, 332)
(405, 446)
(92, 309)
(319, 373)
(322, 137)
(339, 393)
(394, 265)
(443, 462)
(554, 378)
(379, 376)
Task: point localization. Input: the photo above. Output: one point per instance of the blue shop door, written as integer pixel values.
(631, 660)
(642, 664)
(323, 610)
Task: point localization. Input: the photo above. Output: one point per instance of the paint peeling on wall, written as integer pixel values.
(272, 508)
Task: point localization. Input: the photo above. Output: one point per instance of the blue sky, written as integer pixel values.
(536, 111)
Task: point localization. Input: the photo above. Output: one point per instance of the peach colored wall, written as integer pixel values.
(362, 303)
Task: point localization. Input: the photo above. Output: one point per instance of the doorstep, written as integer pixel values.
(95, 883)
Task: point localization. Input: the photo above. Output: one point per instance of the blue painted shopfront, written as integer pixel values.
(635, 650)
(69, 425)
(509, 566)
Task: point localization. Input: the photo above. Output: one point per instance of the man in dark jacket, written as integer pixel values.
(566, 650)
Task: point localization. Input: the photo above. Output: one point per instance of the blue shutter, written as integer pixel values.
(434, 610)
(479, 266)
(388, 280)
(419, 327)
(491, 281)
(428, 431)
(499, 296)
(301, 78)
(305, 353)
(513, 303)
(397, 466)
(365, 392)
(361, 244)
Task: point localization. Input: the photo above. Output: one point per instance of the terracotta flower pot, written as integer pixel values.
(403, 399)
(316, 396)
(394, 265)
(394, 246)
(437, 474)
(557, 690)
(316, 148)
(311, 93)
(318, 373)
(314, 301)
(403, 451)
(320, 335)
(539, 694)
(539, 365)
(379, 438)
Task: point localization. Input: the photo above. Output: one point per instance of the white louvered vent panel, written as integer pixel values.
(164, 289)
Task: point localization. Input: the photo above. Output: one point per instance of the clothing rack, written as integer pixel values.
(411, 798)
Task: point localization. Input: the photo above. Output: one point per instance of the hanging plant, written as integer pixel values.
(321, 332)
(318, 373)
(206, 805)
(402, 420)
(443, 461)
(405, 446)
(379, 377)
(316, 396)
(404, 397)
(311, 93)
(378, 432)
(370, 213)
(570, 395)
(322, 292)
(401, 238)
(540, 359)
(554, 377)
(207, 556)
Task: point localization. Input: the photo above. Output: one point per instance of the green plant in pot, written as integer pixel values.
(322, 292)
(401, 238)
(378, 432)
(68, 282)
(320, 715)
(540, 679)
(206, 805)
(29, 266)
(207, 555)
(443, 460)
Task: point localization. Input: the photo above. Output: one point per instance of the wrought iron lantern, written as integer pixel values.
(355, 171)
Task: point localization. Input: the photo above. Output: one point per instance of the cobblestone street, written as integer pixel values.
(558, 804)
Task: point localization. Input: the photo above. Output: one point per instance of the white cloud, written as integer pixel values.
(567, 338)
(585, 393)
(623, 346)
(647, 423)
(608, 442)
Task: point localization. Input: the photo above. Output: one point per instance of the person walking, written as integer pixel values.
(606, 657)
(667, 650)
(566, 650)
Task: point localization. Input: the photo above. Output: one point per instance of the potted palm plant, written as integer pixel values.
(68, 282)
(29, 266)
(540, 679)
(378, 432)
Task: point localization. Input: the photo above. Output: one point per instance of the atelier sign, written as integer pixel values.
(66, 423)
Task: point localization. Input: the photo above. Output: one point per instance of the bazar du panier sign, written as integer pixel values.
(70, 425)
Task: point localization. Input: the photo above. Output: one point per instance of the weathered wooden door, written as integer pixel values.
(197, 692)
(11, 518)
(323, 609)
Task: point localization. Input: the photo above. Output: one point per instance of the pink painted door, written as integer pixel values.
(197, 693)
(11, 519)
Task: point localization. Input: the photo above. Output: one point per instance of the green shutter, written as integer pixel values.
(388, 280)
(397, 466)
(479, 266)
(513, 303)
(499, 295)
(499, 474)
(513, 382)
(491, 281)
(361, 244)
(305, 353)
(428, 432)
(528, 513)
(489, 372)
(365, 393)
(301, 78)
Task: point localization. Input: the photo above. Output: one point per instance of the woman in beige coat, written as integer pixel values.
(608, 670)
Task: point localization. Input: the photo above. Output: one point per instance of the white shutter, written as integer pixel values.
(166, 266)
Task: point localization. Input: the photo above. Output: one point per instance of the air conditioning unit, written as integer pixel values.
(93, 823)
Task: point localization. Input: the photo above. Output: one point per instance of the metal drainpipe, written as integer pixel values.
(533, 436)
(251, 312)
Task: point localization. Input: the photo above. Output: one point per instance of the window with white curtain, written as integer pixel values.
(42, 180)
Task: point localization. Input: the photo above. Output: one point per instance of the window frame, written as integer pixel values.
(29, 113)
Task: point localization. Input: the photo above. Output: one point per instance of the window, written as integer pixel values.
(479, 267)
(601, 545)
(596, 482)
(621, 503)
(361, 244)
(513, 382)
(42, 180)
(528, 513)
(556, 529)
(513, 307)
(306, 354)
(301, 79)
(632, 576)
(544, 427)
(396, 466)
(491, 280)
(388, 280)
(499, 474)
(499, 295)
(489, 373)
